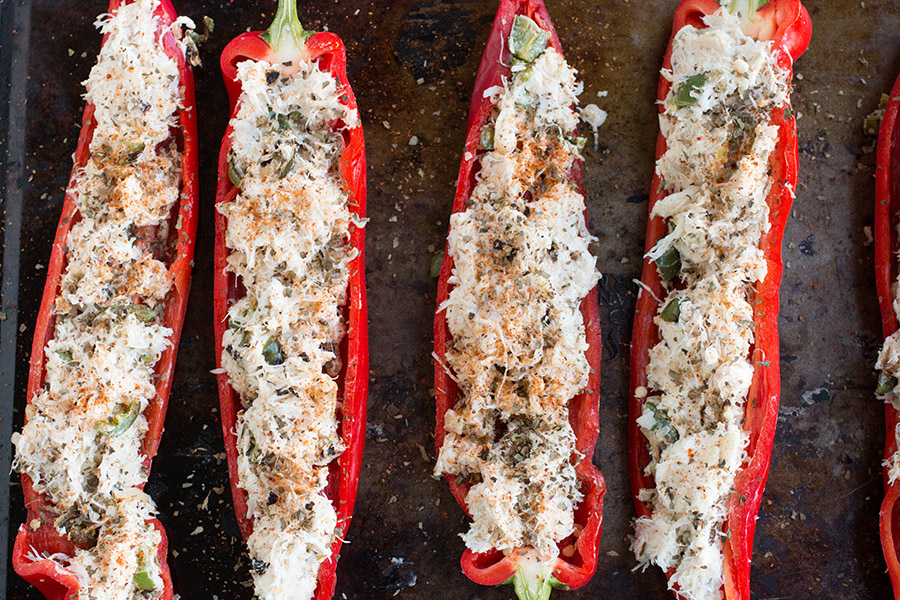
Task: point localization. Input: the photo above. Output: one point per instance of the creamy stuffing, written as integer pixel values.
(715, 171)
(521, 270)
(288, 232)
(82, 444)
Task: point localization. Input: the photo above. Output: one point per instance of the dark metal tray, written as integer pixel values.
(412, 64)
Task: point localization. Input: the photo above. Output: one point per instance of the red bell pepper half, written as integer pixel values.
(495, 568)
(286, 41)
(787, 24)
(887, 208)
(55, 582)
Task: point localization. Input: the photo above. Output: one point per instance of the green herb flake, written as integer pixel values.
(436, 263)
(663, 423)
(286, 168)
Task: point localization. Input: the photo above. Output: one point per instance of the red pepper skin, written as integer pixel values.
(55, 582)
(353, 381)
(787, 23)
(887, 195)
(494, 568)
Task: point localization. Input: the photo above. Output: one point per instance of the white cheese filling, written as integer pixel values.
(521, 269)
(288, 233)
(82, 444)
(725, 86)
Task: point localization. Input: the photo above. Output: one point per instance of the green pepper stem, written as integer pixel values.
(286, 36)
(746, 9)
(534, 578)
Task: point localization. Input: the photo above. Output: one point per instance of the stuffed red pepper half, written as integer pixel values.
(887, 209)
(110, 318)
(517, 334)
(290, 303)
(704, 355)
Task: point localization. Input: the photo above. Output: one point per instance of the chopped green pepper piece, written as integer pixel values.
(527, 40)
(272, 352)
(672, 310)
(872, 123)
(144, 313)
(235, 174)
(669, 264)
(83, 532)
(663, 422)
(144, 581)
(688, 90)
(253, 451)
(487, 137)
(886, 384)
(133, 150)
(64, 355)
(332, 368)
(118, 424)
(147, 578)
(579, 143)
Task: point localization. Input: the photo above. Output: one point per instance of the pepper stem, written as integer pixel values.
(534, 578)
(751, 23)
(745, 8)
(286, 36)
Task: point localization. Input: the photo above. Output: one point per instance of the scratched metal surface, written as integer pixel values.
(412, 64)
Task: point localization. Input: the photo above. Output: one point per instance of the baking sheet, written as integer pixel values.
(412, 65)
